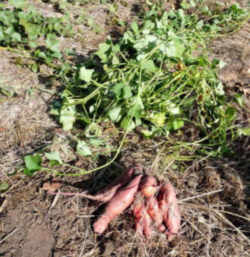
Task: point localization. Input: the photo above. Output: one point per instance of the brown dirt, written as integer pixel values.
(34, 223)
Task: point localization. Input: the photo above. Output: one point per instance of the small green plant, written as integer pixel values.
(25, 27)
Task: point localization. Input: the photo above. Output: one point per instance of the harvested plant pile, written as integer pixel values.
(158, 78)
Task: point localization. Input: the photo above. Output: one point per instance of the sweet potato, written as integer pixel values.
(148, 186)
(146, 221)
(108, 192)
(138, 210)
(121, 201)
(173, 220)
(163, 205)
(154, 212)
(170, 209)
(142, 219)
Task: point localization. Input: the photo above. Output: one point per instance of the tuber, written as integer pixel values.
(170, 210)
(162, 199)
(146, 221)
(138, 212)
(154, 211)
(154, 204)
(121, 201)
(108, 192)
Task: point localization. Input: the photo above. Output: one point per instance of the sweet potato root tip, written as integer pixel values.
(101, 224)
(121, 201)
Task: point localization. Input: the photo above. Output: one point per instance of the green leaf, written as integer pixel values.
(93, 130)
(244, 131)
(101, 53)
(175, 48)
(158, 119)
(219, 89)
(148, 66)
(136, 109)
(54, 156)
(135, 28)
(85, 74)
(146, 132)
(128, 124)
(117, 89)
(32, 164)
(177, 124)
(4, 186)
(121, 91)
(185, 5)
(82, 148)
(230, 113)
(52, 42)
(114, 113)
(239, 99)
(28, 172)
(126, 90)
(67, 117)
(16, 36)
(115, 60)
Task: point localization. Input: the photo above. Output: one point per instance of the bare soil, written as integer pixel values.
(34, 223)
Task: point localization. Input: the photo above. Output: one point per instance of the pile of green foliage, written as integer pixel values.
(157, 77)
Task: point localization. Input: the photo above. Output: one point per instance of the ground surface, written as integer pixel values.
(33, 223)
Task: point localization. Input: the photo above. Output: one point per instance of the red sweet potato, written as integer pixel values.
(142, 219)
(163, 205)
(148, 186)
(121, 201)
(138, 210)
(154, 211)
(173, 220)
(108, 192)
(170, 209)
(146, 221)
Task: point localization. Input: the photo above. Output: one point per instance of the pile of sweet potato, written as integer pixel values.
(153, 204)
